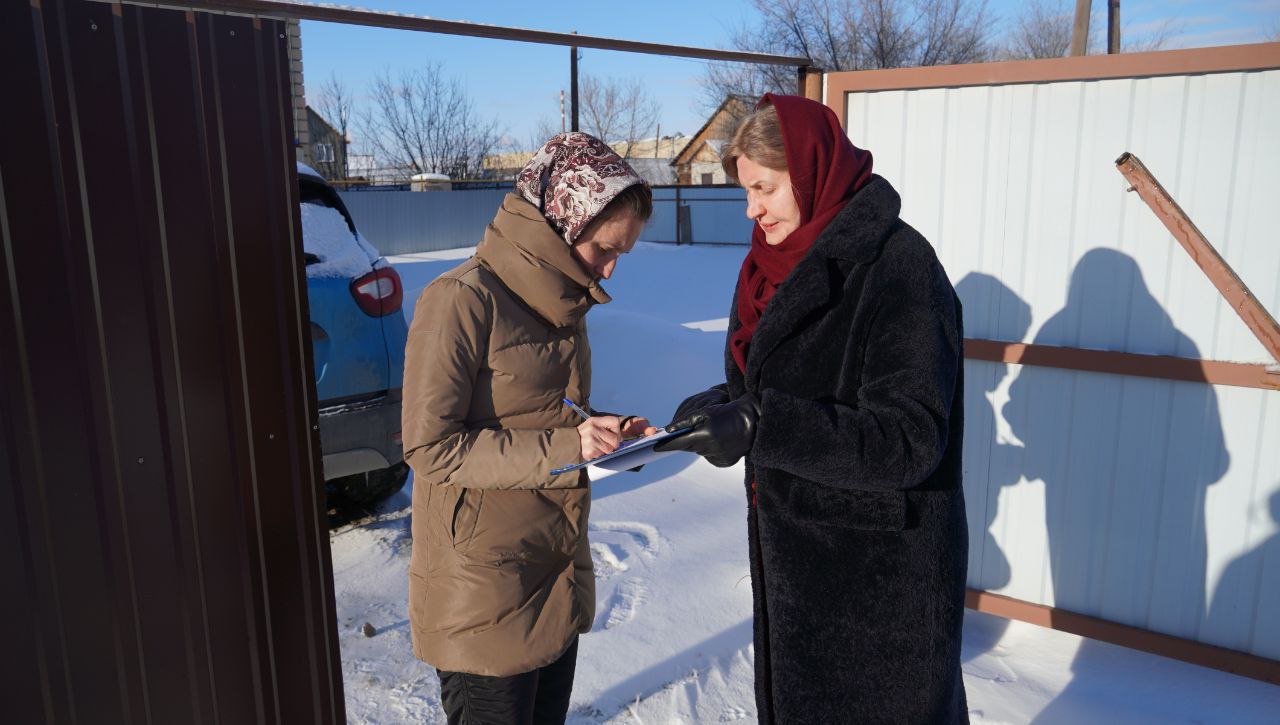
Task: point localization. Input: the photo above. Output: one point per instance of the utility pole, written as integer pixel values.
(1113, 26)
(1080, 31)
(573, 83)
(657, 139)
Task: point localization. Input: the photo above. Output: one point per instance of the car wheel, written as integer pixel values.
(367, 489)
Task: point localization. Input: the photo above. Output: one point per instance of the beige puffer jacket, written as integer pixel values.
(501, 576)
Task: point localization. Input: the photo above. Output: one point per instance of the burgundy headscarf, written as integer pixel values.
(571, 179)
(826, 169)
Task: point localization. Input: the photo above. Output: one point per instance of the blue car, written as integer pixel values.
(358, 334)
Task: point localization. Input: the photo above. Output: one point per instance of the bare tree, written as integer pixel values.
(617, 112)
(543, 130)
(336, 104)
(816, 29)
(1156, 37)
(885, 36)
(850, 35)
(424, 122)
(954, 32)
(1043, 30)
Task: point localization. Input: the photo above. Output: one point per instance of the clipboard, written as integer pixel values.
(632, 453)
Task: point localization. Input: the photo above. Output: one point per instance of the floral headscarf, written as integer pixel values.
(571, 179)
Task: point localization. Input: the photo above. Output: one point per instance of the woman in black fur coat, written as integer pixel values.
(843, 391)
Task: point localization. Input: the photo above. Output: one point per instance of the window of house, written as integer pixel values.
(708, 178)
(323, 153)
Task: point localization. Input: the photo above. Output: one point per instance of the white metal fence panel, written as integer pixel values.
(1147, 502)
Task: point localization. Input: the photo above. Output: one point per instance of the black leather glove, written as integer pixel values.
(721, 433)
(707, 398)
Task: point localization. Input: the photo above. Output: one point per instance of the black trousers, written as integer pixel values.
(539, 697)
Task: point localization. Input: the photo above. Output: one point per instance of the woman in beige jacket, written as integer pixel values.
(501, 581)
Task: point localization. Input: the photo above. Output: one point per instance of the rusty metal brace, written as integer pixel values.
(1230, 286)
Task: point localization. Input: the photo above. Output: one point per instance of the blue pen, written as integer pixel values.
(585, 415)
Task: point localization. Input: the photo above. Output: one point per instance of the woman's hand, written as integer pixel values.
(698, 401)
(633, 426)
(600, 434)
(720, 433)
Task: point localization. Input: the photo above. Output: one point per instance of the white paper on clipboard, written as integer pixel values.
(632, 453)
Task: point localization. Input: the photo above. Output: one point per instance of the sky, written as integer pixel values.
(519, 83)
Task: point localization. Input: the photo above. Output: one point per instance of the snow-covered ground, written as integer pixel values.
(672, 636)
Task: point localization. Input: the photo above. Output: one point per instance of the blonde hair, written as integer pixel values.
(759, 138)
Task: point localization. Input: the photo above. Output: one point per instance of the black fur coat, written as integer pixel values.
(858, 537)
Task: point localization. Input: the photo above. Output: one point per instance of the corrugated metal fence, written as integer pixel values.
(163, 537)
(1142, 501)
(402, 222)
(699, 215)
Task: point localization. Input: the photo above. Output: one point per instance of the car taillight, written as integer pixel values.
(378, 293)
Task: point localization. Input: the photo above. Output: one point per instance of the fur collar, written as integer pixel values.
(860, 229)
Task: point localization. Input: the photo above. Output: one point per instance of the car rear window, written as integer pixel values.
(327, 238)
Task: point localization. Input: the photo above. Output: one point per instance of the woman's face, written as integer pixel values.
(770, 202)
(602, 242)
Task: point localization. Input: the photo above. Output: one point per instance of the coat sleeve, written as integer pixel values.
(894, 434)
(447, 344)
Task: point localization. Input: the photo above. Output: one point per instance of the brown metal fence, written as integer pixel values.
(162, 534)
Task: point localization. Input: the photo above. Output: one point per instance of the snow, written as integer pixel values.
(325, 234)
(304, 169)
(672, 634)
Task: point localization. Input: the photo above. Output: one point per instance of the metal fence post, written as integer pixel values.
(809, 82)
(682, 218)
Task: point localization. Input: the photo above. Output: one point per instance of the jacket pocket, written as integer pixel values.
(525, 526)
(466, 512)
(845, 508)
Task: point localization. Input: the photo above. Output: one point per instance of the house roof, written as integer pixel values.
(711, 130)
(333, 131)
(646, 151)
(510, 160)
(651, 148)
(654, 171)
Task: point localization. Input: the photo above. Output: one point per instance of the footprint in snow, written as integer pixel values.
(644, 539)
(623, 604)
(614, 544)
(618, 547)
(608, 559)
(991, 667)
